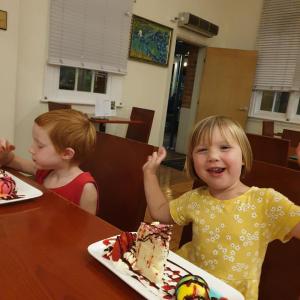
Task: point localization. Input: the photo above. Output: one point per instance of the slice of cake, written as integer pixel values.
(7, 186)
(152, 249)
(144, 252)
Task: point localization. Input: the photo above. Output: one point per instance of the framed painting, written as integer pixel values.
(3, 20)
(150, 41)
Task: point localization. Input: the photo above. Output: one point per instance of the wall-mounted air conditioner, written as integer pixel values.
(197, 24)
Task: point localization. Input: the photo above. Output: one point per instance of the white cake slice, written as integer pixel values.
(152, 249)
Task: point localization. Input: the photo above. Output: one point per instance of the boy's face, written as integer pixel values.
(42, 150)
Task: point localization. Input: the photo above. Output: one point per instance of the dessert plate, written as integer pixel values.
(176, 268)
(24, 191)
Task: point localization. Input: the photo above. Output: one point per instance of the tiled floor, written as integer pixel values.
(173, 183)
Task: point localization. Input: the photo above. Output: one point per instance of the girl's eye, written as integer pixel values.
(225, 147)
(201, 150)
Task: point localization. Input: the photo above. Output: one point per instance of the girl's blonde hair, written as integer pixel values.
(229, 128)
(69, 128)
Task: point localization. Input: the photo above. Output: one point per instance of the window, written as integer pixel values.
(83, 80)
(87, 50)
(274, 101)
(277, 81)
(81, 86)
(276, 105)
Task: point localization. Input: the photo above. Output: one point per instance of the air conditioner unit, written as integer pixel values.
(197, 24)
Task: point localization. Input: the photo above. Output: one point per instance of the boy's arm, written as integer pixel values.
(88, 199)
(157, 203)
(22, 165)
(9, 159)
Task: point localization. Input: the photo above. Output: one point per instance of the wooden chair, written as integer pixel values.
(280, 270)
(291, 135)
(268, 128)
(140, 132)
(116, 165)
(56, 105)
(269, 149)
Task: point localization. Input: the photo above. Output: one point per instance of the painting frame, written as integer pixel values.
(150, 41)
(3, 20)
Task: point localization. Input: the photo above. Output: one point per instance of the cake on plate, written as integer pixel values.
(7, 186)
(152, 249)
(144, 257)
(146, 251)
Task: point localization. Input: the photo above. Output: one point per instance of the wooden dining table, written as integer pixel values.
(43, 251)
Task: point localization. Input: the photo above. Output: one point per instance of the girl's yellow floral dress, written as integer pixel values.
(230, 237)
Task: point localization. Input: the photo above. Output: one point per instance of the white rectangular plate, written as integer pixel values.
(176, 267)
(24, 191)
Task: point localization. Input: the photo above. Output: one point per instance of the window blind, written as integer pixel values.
(91, 34)
(278, 44)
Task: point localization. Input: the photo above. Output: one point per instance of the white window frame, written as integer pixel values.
(289, 116)
(53, 93)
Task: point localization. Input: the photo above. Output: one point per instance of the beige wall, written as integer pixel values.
(8, 68)
(145, 85)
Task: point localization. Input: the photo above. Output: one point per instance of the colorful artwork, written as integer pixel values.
(150, 41)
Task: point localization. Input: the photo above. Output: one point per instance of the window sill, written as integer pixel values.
(277, 120)
(75, 102)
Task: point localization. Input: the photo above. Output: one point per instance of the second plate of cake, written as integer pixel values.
(176, 268)
(24, 191)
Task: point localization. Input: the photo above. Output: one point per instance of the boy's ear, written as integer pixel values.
(68, 153)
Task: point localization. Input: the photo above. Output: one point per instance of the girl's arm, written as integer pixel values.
(296, 231)
(298, 153)
(88, 199)
(157, 203)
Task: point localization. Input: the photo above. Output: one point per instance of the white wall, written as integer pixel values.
(145, 85)
(8, 68)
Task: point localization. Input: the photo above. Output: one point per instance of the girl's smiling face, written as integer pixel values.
(219, 163)
(44, 155)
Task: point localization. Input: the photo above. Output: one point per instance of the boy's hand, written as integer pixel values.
(154, 160)
(298, 153)
(6, 154)
(5, 146)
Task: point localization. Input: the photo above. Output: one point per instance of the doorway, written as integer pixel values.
(180, 99)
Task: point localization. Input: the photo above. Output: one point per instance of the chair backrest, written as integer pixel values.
(291, 135)
(269, 149)
(140, 132)
(56, 105)
(268, 128)
(116, 164)
(280, 271)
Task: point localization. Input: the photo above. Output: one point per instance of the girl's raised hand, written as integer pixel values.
(154, 160)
